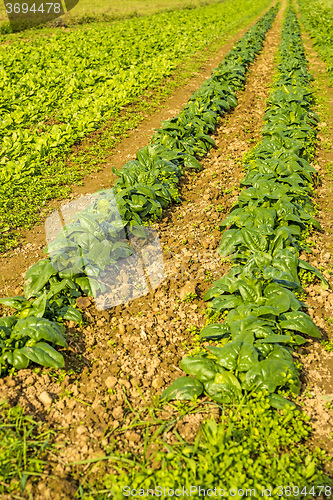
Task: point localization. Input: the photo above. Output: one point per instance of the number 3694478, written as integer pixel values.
(315, 491)
(24, 8)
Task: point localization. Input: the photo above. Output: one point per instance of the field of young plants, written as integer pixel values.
(169, 333)
(60, 87)
(84, 11)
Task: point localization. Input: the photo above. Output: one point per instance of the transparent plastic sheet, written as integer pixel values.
(90, 238)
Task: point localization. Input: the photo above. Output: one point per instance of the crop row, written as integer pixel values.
(267, 228)
(81, 254)
(317, 18)
(56, 90)
(253, 450)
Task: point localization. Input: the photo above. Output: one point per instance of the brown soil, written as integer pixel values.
(124, 357)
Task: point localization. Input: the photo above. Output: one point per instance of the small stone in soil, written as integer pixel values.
(110, 382)
(45, 398)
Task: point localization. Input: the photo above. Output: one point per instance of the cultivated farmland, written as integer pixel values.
(175, 337)
(59, 88)
(109, 10)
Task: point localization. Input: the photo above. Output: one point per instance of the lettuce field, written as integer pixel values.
(166, 302)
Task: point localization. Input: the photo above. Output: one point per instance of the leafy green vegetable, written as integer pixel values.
(24, 340)
(183, 388)
(37, 276)
(38, 329)
(236, 355)
(225, 388)
(280, 403)
(301, 322)
(270, 374)
(43, 354)
(214, 331)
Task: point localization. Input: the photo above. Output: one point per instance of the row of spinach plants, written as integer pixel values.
(265, 235)
(317, 18)
(98, 237)
(57, 91)
(253, 450)
(59, 88)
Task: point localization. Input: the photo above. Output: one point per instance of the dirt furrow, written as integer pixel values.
(125, 356)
